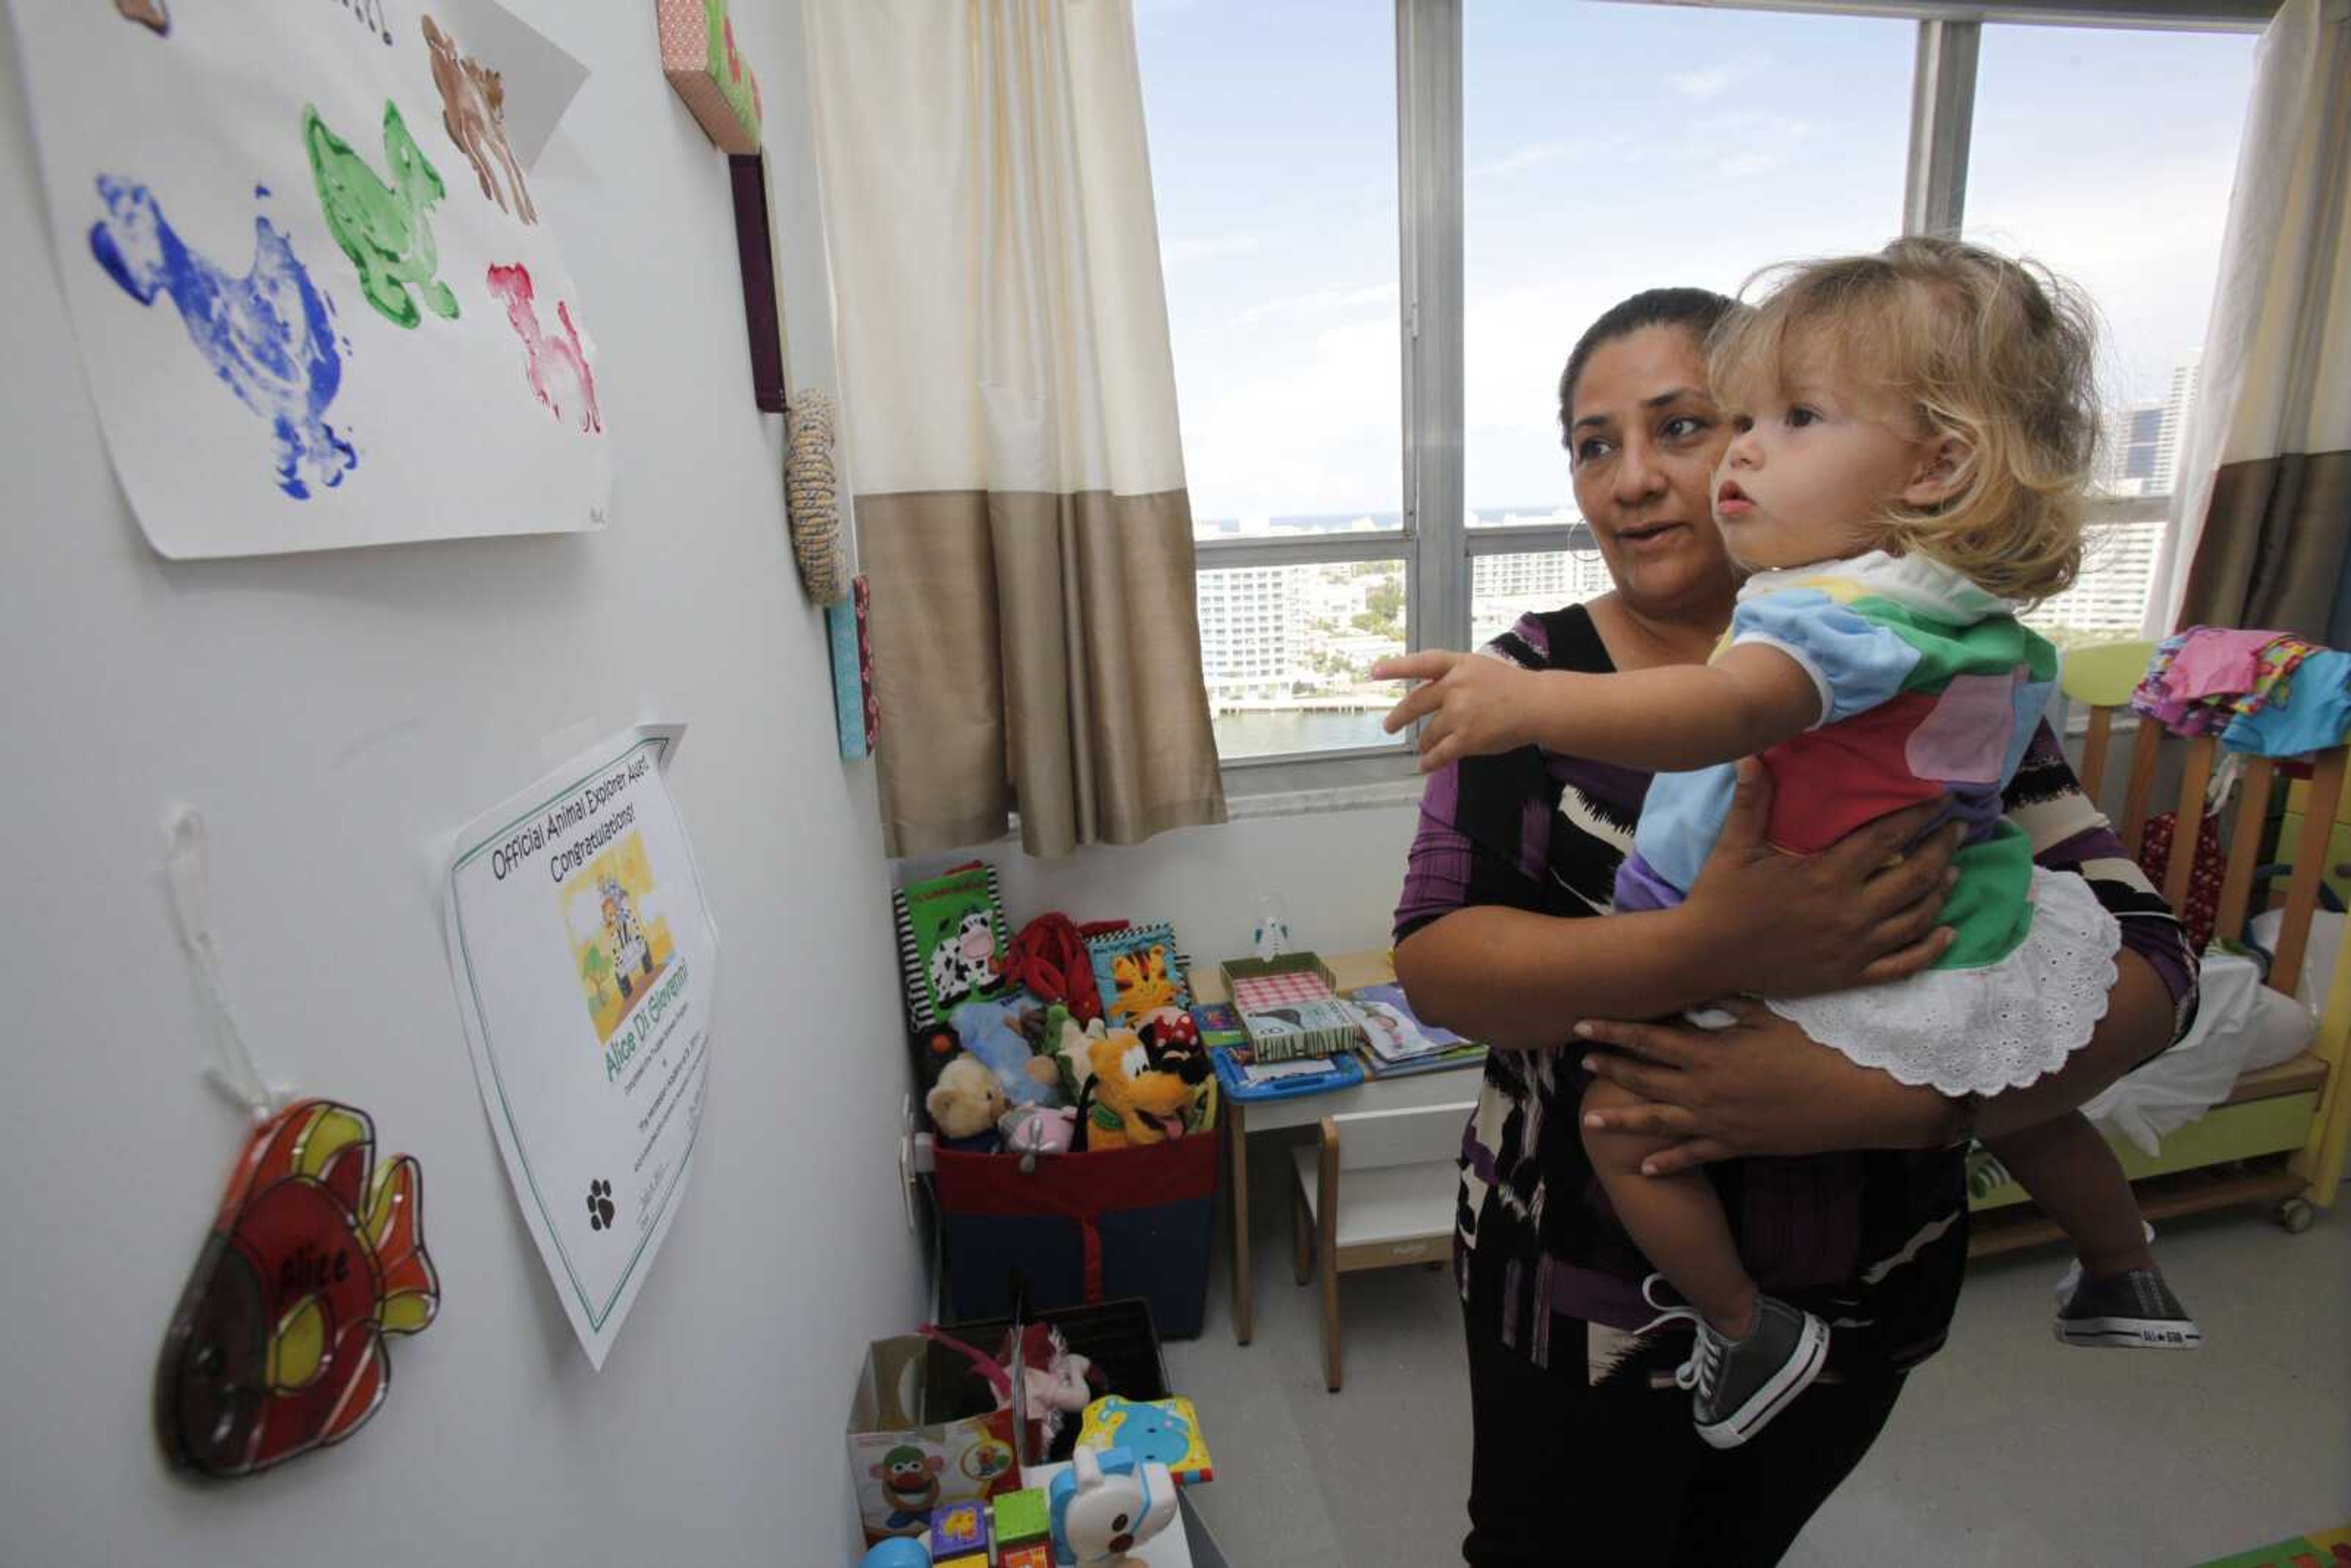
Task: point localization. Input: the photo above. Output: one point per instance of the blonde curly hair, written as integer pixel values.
(1997, 354)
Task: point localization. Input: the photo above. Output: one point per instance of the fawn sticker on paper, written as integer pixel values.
(585, 965)
(317, 300)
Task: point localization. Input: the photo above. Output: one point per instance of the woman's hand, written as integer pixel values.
(1475, 706)
(1860, 913)
(1761, 1086)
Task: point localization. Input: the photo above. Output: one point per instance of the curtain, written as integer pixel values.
(2263, 510)
(1009, 416)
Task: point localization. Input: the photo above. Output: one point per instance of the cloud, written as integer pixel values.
(584, 912)
(1705, 83)
(1543, 154)
(1319, 302)
(1177, 252)
(1713, 80)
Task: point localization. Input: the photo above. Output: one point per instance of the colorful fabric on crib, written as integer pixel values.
(2200, 680)
(1927, 686)
(2313, 716)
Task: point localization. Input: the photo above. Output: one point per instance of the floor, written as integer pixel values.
(2008, 1450)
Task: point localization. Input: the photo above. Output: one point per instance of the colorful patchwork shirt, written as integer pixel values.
(1928, 687)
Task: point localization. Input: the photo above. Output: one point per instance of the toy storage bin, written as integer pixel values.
(1081, 1229)
(1116, 1336)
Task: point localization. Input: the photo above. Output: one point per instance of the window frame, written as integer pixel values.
(1436, 543)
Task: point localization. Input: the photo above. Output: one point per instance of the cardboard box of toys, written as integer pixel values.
(918, 1437)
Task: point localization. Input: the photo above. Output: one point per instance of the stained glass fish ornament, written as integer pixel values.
(278, 1346)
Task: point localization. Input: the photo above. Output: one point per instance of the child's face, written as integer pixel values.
(1810, 471)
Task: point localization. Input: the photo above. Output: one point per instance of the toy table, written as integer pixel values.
(1242, 1118)
(1171, 1548)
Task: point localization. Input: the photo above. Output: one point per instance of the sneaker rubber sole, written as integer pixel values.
(2129, 1334)
(1769, 1400)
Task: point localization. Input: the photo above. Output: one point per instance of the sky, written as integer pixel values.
(1609, 148)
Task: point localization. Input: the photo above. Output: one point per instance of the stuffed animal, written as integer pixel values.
(1062, 1041)
(967, 1101)
(1128, 1101)
(1173, 1041)
(992, 1032)
(1032, 1130)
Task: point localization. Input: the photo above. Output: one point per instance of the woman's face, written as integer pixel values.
(1644, 441)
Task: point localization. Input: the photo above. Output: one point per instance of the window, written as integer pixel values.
(2109, 156)
(1272, 126)
(1770, 136)
(1380, 242)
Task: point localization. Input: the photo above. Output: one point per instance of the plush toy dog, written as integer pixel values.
(1128, 1103)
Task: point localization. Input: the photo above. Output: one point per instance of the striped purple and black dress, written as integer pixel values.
(1873, 1240)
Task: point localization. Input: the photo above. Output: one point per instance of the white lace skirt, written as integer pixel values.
(1983, 1031)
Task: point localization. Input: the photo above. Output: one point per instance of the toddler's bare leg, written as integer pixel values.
(1677, 1220)
(2073, 1173)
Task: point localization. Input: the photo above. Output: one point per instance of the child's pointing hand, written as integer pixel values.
(1475, 706)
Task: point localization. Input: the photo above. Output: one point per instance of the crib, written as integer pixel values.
(2278, 1137)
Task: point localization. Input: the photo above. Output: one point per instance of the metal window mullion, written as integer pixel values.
(1942, 121)
(1538, 538)
(1299, 549)
(1428, 205)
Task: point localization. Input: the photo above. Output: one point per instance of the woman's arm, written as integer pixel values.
(1858, 914)
(1763, 1087)
(1674, 717)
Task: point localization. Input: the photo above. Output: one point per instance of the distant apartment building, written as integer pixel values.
(1252, 624)
(2140, 454)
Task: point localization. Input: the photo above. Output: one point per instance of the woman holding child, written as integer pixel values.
(1838, 1188)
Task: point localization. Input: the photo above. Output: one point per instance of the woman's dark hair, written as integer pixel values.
(1695, 310)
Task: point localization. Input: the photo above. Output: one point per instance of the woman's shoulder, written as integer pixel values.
(1561, 639)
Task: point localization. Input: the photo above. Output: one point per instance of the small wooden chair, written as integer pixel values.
(2280, 1137)
(1398, 1169)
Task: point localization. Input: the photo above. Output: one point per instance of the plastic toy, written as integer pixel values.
(958, 1530)
(1020, 1518)
(1166, 1431)
(277, 1345)
(1107, 1502)
(898, 1552)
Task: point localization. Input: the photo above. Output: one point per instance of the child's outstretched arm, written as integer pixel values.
(1671, 718)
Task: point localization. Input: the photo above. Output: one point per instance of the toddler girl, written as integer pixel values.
(1912, 429)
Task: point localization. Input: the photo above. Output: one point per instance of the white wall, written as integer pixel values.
(1338, 873)
(334, 715)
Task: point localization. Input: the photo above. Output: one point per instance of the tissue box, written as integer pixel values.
(699, 56)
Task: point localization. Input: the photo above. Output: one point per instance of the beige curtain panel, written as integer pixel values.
(2264, 510)
(1009, 409)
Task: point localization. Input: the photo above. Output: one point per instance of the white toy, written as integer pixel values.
(1106, 1502)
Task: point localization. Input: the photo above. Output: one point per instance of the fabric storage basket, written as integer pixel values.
(1081, 1229)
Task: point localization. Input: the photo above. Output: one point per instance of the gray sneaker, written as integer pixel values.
(1737, 1385)
(2134, 1310)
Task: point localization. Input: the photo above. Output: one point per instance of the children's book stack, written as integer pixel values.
(1397, 1043)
